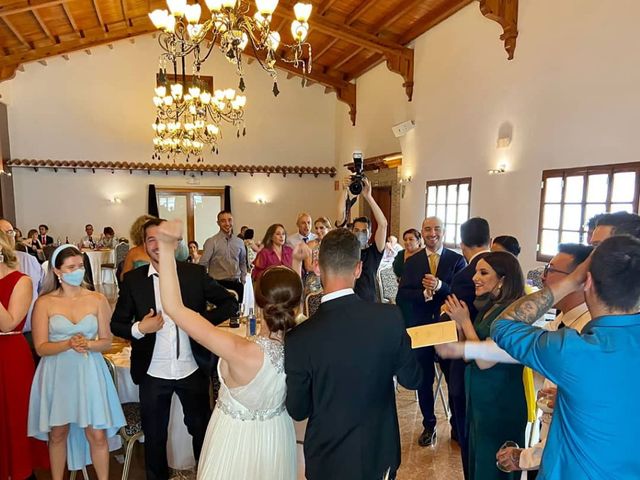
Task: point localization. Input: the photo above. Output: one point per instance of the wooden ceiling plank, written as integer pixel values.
(325, 49)
(388, 20)
(432, 19)
(326, 5)
(360, 10)
(29, 8)
(365, 66)
(17, 34)
(99, 16)
(43, 26)
(346, 59)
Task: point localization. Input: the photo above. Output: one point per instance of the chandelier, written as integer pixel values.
(187, 122)
(233, 29)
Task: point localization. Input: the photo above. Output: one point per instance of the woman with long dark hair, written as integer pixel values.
(496, 404)
(74, 404)
(276, 252)
(250, 434)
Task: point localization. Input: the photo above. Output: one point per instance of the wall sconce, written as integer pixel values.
(503, 142)
(502, 168)
(115, 200)
(403, 184)
(261, 201)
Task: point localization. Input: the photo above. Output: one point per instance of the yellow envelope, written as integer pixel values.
(433, 334)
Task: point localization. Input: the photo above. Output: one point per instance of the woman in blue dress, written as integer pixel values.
(74, 404)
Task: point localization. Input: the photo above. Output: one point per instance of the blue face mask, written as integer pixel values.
(74, 278)
(182, 252)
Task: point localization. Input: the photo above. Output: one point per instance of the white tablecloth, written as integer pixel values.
(248, 299)
(179, 444)
(96, 259)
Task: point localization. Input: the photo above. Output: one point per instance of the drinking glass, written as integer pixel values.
(507, 444)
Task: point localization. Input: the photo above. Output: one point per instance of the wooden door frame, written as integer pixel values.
(189, 193)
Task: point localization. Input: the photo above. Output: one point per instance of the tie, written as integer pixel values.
(305, 239)
(433, 263)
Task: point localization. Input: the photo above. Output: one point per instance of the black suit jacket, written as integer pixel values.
(410, 297)
(47, 241)
(137, 297)
(340, 365)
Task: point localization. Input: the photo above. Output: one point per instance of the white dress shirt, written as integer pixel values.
(165, 362)
(297, 237)
(337, 294)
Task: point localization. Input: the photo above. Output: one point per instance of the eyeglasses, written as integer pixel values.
(11, 233)
(549, 269)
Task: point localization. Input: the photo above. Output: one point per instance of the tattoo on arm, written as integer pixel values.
(530, 308)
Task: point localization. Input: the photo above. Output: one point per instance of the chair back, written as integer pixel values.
(122, 249)
(112, 370)
(388, 284)
(312, 303)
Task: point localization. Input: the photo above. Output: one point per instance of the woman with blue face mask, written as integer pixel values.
(74, 404)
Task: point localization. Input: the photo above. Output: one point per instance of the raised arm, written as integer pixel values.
(19, 304)
(380, 235)
(225, 345)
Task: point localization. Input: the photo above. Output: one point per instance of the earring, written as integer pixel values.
(1, 257)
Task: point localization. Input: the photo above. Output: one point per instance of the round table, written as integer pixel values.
(96, 259)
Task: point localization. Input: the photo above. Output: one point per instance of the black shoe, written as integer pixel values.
(454, 435)
(428, 437)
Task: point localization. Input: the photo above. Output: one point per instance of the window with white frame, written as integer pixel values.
(570, 197)
(449, 200)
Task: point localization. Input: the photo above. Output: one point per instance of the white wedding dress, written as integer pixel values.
(250, 435)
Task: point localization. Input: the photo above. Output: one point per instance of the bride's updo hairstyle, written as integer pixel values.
(279, 292)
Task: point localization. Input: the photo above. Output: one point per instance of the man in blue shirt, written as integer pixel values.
(596, 417)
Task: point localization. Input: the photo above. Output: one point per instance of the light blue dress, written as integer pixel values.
(76, 389)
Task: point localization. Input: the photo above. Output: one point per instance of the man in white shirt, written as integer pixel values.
(304, 233)
(574, 314)
(164, 360)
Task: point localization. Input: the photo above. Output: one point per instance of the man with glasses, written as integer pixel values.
(30, 266)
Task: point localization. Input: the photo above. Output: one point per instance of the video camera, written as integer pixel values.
(357, 179)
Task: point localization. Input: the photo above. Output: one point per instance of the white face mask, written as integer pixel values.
(363, 238)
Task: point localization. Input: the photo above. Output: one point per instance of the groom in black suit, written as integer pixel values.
(164, 360)
(423, 288)
(475, 238)
(340, 365)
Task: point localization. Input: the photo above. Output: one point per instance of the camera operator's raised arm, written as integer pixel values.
(380, 235)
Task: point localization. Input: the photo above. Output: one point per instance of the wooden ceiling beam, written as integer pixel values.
(99, 16)
(325, 49)
(326, 5)
(12, 11)
(433, 18)
(72, 22)
(505, 13)
(360, 10)
(17, 34)
(43, 27)
(125, 13)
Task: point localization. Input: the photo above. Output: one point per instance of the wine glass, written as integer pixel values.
(507, 444)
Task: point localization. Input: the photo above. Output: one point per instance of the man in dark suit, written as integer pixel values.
(475, 239)
(43, 237)
(164, 360)
(340, 365)
(423, 288)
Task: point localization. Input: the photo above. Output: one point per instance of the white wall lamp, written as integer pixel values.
(498, 171)
(261, 201)
(115, 200)
(403, 184)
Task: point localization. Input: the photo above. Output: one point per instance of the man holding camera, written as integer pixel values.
(370, 254)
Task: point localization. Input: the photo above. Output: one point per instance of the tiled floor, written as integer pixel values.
(440, 462)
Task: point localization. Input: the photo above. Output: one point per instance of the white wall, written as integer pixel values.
(98, 107)
(67, 201)
(571, 95)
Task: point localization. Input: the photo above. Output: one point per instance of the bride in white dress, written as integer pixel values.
(250, 434)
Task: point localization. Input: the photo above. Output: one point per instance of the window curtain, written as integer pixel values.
(227, 197)
(153, 201)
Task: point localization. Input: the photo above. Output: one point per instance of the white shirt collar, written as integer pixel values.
(152, 271)
(479, 253)
(573, 315)
(439, 251)
(337, 294)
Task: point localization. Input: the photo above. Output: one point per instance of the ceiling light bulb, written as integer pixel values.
(177, 7)
(161, 91)
(302, 11)
(229, 3)
(266, 7)
(159, 18)
(299, 30)
(229, 93)
(176, 90)
(214, 5)
(194, 91)
(193, 12)
(170, 26)
(273, 41)
(244, 42)
(205, 98)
